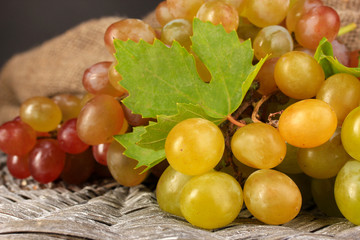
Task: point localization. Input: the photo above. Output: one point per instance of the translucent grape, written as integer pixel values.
(264, 13)
(114, 79)
(162, 13)
(298, 75)
(178, 30)
(186, 9)
(99, 152)
(342, 92)
(68, 138)
(211, 200)
(239, 5)
(317, 23)
(17, 138)
(258, 145)
(18, 166)
(133, 29)
(70, 105)
(273, 41)
(46, 161)
(324, 161)
(350, 134)
(194, 146)
(347, 189)
(272, 197)
(100, 119)
(169, 188)
(307, 123)
(122, 168)
(41, 113)
(219, 12)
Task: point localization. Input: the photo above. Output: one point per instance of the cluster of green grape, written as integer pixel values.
(316, 138)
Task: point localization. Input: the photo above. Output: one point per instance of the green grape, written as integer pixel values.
(347, 189)
(307, 123)
(194, 146)
(264, 13)
(258, 145)
(169, 188)
(122, 168)
(273, 41)
(272, 197)
(298, 75)
(219, 12)
(342, 92)
(323, 194)
(324, 161)
(211, 200)
(290, 165)
(41, 113)
(246, 29)
(265, 77)
(350, 134)
(178, 30)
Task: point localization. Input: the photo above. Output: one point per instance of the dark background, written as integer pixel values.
(27, 23)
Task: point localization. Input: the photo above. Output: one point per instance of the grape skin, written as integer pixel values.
(350, 134)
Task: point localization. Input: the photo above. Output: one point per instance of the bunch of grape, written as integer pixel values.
(214, 169)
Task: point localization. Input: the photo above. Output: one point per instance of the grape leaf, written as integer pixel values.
(144, 156)
(325, 56)
(155, 135)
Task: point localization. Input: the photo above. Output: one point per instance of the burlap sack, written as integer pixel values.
(58, 64)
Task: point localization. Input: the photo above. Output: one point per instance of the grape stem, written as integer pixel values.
(348, 28)
(254, 115)
(235, 122)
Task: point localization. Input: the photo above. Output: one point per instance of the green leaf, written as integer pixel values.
(155, 135)
(145, 156)
(324, 55)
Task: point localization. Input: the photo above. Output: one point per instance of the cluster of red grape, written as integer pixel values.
(317, 133)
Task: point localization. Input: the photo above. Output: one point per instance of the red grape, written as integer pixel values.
(18, 166)
(68, 138)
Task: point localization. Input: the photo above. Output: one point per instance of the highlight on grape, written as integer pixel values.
(238, 106)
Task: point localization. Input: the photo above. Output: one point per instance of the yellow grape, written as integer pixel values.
(163, 14)
(308, 123)
(114, 79)
(179, 30)
(211, 200)
(194, 146)
(184, 8)
(70, 105)
(272, 197)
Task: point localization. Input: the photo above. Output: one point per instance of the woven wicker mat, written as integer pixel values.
(105, 210)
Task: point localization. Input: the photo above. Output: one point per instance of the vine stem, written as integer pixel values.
(234, 121)
(348, 28)
(254, 115)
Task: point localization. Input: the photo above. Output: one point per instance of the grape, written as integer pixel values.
(178, 30)
(317, 23)
(239, 5)
(243, 169)
(246, 29)
(99, 152)
(342, 92)
(219, 12)
(162, 13)
(68, 138)
(272, 197)
(194, 146)
(87, 97)
(303, 182)
(323, 195)
(96, 80)
(298, 75)
(297, 10)
(78, 167)
(211, 200)
(18, 166)
(70, 105)
(168, 190)
(307, 123)
(114, 79)
(46, 161)
(17, 138)
(265, 77)
(258, 145)
(350, 134)
(100, 119)
(273, 41)
(132, 119)
(264, 13)
(41, 113)
(347, 189)
(133, 29)
(324, 161)
(354, 59)
(122, 168)
(341, 52)
(184, 8)
(290, 165)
